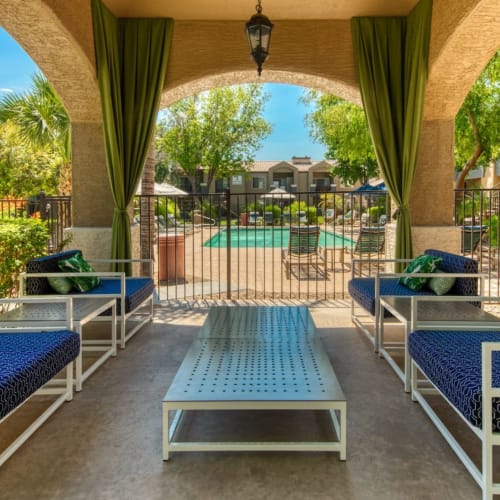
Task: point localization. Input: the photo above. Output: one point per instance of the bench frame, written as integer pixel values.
(64, 391)
(424, 386)
(359, 318)
(140, 312)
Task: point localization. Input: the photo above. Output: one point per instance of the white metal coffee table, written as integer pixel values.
(255, 358)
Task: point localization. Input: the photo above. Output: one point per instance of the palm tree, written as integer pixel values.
(43, 122)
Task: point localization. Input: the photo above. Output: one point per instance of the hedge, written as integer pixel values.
(20, 240)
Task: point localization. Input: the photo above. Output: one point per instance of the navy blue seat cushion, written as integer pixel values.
(137, 291)
(452, 263)
(45, 264)
(28, 360)
(452, 361)
(362, 291)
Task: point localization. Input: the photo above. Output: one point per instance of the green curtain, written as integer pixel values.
(391, 56)
(131, 60)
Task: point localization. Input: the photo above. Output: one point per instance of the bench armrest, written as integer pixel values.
(486, 322)
(359, 262)
(101, 274)
(124, 261)
(8, 304)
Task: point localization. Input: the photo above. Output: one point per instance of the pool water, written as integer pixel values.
(270, 238)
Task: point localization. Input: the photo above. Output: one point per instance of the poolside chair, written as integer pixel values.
(301, 217)
(329, 215)
(303, 249)
(268, 218)
(371, 241)
(253, 218)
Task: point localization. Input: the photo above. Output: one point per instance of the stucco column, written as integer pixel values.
(432, 194)
(92, 204)
(92, 201)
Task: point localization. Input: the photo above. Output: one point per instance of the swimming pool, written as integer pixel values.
(270, 238)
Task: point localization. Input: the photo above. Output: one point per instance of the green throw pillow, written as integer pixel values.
(60, 285)
(441, 286)
(77, 264)
(421, 264)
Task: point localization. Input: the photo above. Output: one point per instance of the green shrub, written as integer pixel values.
(375, 213)
(20, 241)
(274, 209)
(493, 226)
(311, 215)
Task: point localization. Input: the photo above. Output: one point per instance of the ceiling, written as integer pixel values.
(227, 10)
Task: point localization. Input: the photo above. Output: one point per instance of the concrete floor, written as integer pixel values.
(106, 443)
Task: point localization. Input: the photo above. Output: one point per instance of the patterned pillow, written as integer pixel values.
(441, 286)
(60, 285)
(421, 264)
(77, 264)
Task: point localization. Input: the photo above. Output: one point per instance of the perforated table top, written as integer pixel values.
(277, 323)
(256, 354)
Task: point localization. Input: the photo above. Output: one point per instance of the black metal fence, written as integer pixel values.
(55, 211)
(477, 214)
(237, 246)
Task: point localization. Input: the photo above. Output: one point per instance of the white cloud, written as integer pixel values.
(6, 91)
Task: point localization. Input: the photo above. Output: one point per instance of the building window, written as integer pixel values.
(237, 180)
(258, 182)
(221, 185)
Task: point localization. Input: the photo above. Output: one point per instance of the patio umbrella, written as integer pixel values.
(369, 187)
(278, 194)
(164, 188)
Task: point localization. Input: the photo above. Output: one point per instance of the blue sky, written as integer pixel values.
(286, 114)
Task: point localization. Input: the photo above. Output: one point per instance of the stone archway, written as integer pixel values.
(208, 53)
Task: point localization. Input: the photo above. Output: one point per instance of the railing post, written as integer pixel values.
(228, 239)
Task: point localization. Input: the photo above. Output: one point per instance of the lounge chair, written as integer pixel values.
(303, 249)
(301, 217)
(370, 241)
(329, 215)
(253, 218)
(268, 218)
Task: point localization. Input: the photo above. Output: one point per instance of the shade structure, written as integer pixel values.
(278, 194)
(165, 188)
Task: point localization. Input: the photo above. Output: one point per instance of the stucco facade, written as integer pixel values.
(209, 49)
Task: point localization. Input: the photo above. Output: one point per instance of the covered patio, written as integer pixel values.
(106, 443)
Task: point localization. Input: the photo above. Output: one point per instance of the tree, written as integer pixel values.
(25, 171)
(214, 134)
(342, 127)
(42, 124)
(477, 129)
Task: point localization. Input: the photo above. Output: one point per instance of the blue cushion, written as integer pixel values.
(45, 264)
(452, 361)
(137, 291)
(452, 263)
(362, 291)
(29, 360)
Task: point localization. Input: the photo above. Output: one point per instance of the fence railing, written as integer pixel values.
(237, 246)
(477, 214)
(55, 211)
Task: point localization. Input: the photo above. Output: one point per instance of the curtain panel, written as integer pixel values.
(391, 55)
(131, 62)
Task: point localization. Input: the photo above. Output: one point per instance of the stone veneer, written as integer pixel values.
(95, 243)
(445, 238)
